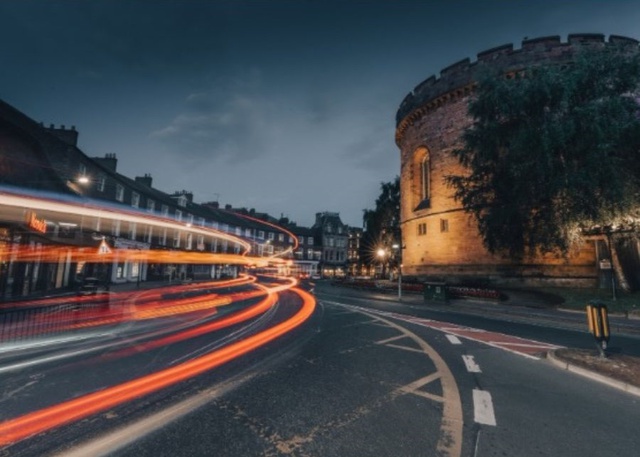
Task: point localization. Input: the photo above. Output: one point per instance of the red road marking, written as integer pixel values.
(515, 344)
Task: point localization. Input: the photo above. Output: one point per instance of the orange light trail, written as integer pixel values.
(275, 226)
(152, 306)
(236, 318)
(36, 422)
(122, 296)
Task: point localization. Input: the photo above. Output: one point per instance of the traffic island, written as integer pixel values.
(616, 370)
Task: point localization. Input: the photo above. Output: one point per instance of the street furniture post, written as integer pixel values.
(598, 320)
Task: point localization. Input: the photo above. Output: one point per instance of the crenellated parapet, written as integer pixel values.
(458, 80)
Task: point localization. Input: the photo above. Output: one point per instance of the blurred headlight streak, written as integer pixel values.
(93, 209)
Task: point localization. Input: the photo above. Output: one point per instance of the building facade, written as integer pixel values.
(333, 236)
(118, 214)
(440, 239)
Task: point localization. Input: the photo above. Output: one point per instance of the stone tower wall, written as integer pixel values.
(441, 240)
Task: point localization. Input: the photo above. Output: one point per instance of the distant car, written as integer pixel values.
(92, 286)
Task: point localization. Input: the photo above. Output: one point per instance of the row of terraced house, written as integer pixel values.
(38, 160)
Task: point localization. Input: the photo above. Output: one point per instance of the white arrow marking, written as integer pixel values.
(470, 363)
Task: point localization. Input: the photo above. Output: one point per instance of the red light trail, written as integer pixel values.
(22, 427)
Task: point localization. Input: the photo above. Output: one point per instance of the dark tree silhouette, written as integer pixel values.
(553, 151)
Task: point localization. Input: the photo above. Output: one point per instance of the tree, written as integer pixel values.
(382, 224)
(552, 151)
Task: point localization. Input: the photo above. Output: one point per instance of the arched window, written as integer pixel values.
(421, 179)
(425, 178)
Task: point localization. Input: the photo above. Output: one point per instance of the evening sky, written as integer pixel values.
(284, 106)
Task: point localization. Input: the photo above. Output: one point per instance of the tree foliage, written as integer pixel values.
(382, 224)
(552, 151)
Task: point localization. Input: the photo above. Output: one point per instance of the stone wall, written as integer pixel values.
(441, 240)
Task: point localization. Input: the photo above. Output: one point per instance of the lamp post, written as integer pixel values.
(396, 248)
(381, 254)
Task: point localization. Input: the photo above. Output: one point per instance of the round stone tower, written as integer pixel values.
(440, 240)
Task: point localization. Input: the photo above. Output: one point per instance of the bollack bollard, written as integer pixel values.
(598, 319)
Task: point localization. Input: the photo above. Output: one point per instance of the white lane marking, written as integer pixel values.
(470, 363)
(453, 339)
(483, 408)
(393, 338)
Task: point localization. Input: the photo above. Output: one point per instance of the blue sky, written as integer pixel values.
(287, 107)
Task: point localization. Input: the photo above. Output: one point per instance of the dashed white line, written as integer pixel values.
(483, 408)
(453, 339)
(470, 363)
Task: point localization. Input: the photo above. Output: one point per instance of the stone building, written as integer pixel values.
(333, 236)
(441, 240)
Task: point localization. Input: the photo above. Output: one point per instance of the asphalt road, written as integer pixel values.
(367, 376)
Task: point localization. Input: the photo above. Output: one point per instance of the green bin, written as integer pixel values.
(435, 291)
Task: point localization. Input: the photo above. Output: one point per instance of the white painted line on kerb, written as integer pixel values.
(470, 363)
(483, 408)
(453, 339)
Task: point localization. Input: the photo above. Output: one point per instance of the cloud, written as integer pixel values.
(219, 125)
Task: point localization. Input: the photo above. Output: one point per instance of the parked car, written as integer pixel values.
(92, 286)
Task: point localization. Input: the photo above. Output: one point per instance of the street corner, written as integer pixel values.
(616, 370)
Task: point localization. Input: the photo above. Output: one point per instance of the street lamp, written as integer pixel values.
(396, 248)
